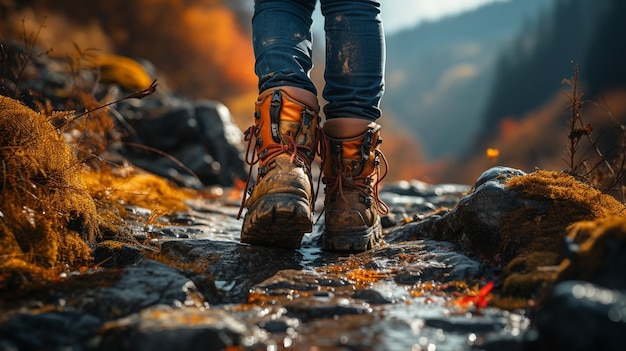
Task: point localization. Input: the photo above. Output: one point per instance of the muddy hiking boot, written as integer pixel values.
(351, 173)
(285, 137)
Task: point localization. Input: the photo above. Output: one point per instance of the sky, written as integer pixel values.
(402, 14)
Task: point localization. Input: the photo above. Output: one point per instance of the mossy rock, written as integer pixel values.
(520, 222)
(597, 252)
(557, 200)
(532, 237)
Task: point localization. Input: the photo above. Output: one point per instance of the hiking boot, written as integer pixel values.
(285, 134)
(351, 174)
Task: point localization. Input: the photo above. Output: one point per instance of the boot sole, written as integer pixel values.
(352, 241)
(277, 220)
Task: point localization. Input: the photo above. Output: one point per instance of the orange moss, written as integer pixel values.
(347, 265)
(429, 288)
(531, 274)
(199, 266)
(364, 277)
(47, 216)
(558, 200)
(566, 189)
(142, 189)
(593, 238)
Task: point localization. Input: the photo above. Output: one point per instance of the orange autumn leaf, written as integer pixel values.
(481, 300)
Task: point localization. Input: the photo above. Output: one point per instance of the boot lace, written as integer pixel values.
(299, 156)
(361, 182)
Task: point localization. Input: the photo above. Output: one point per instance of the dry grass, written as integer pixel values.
(58, 196)
(48, 217)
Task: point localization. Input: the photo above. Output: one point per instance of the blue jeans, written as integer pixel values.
(355, 52)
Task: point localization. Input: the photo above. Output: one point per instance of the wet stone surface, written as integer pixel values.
(216, 293)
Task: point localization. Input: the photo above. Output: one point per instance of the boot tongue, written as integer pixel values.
(349, 138)
(351, 152)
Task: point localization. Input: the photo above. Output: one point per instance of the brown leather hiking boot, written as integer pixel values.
(286, 133)
(352, 206)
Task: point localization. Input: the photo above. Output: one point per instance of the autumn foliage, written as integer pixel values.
(201, 48)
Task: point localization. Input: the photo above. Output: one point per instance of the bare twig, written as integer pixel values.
(164, 154)
(136, 95)
(599, 170)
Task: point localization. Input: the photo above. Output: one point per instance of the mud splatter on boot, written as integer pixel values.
(285, 138)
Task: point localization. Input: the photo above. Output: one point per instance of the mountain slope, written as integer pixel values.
(531, 70)
(439, 74)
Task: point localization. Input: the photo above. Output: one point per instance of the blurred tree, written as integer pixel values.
(201, 46)
(531, 72)
(605, 67)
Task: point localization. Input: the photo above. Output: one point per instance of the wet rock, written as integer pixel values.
(280, 325)
(299, 280)
(460, 266)
(422, 228)
(48, 331)
(518, 221)
(179, 232)
(114, 254)
(235, 267)
(498, 175)
(476, 221)
(485, 321)
(198, 134)
(582, 316)
(371, 296)
(406, 198)
(326, 308)
(424, 261)
(72, 314)
(165, 328)
(147, 284)
(422, 271)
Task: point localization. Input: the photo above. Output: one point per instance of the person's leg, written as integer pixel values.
(355, 59)
(355, 62)
(285, 130)
(281, 39)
